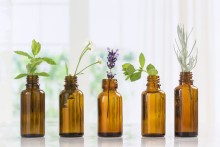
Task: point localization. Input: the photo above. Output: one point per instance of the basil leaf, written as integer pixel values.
(49, 60)
(36, 46)
(141, 60)
(42, 74)
(23, 54)
(67, 70)
(21, 76)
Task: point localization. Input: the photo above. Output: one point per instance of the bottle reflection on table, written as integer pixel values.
(110, 142)
(33, 142)
(71, 142)
(186, 142)
(149, 141)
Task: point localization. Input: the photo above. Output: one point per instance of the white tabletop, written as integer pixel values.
(10, 137)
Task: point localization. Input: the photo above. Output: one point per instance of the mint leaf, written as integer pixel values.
(42, 74)
(152, 72)
(141, 60)
(49, 60)
(36, 46)
(20, 76)
(67, 70)
(124, 66)
(23, 54)
(149, 67)
(130, 69)
(135, 76)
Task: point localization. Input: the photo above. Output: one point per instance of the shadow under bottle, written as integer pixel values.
(153, 109)
(110, 115)
(71, 109)
(32, 109)
(186, 107)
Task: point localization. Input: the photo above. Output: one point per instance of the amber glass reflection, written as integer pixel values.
(153, 109)
(32, 109)
(71, 109)
(109, 110)
(186, 107)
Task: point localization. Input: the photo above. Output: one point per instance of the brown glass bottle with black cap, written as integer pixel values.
(186, 107)
(32, 109)
(110, 116)
(71, 109)
(153, 109)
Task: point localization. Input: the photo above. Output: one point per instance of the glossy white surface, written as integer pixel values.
(10, 137)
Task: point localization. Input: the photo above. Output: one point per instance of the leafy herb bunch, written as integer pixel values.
(186, 59)
(112, 58)
(134, 74)
(88, 47)
(34, 61)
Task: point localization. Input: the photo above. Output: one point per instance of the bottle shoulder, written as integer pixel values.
(32, 90)
(179, 87)
(111, 93)
(71, 92)
(153, 92)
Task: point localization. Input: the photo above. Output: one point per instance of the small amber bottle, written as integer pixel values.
(153, 109)
(186, 107)
(32, 109)
(110, 110)
(71, 108)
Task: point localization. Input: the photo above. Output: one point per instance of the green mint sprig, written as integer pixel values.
(34, 61)
(88, 47)
(135, 74)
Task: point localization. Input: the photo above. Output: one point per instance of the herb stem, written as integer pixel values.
(80, 58)
(85, 68)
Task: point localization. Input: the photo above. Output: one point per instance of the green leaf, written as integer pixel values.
(130, 69)
(42, 74)
(36, 46)
(149, 67)
(67, 70)
(124, 66)
(141, 60)
(28, 67)
(152, 72)
(23, 54)
(49, 60)
(21, 76)
(135, 76)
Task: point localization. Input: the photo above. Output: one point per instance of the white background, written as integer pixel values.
(147, 26)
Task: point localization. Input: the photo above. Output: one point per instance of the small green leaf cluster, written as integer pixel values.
(186, 59)
(135, 74)
(34, 61)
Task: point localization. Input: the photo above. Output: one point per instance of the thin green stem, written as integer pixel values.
(86, 68)
(80, 58)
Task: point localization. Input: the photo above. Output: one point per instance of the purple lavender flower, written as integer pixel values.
(112, 58)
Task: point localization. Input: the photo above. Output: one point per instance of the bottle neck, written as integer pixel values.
(109, 84)
(186, 77)
(71, 83)
(32, 82)
(153, 83)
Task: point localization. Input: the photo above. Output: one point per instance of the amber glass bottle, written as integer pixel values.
(186, 107)
(71, 105)
(110, 110)
(153, 109)
(32, 109)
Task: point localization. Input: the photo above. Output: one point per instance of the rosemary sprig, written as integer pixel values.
(186, 59)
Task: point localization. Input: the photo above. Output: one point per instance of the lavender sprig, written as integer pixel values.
(112, 58)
